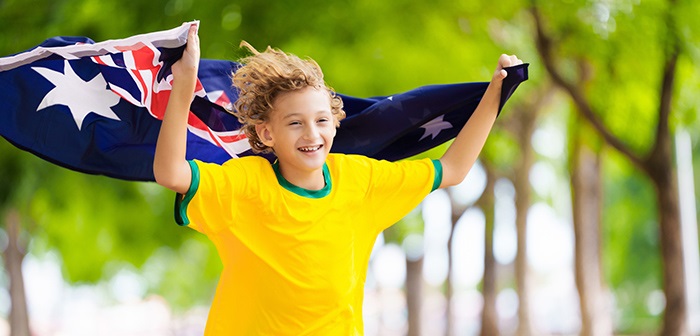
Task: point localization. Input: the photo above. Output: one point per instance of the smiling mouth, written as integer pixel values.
(309, 149)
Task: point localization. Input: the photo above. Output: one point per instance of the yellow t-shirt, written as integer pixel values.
(295, 260)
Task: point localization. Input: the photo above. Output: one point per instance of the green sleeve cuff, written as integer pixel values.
(438, 175)
(182, 201)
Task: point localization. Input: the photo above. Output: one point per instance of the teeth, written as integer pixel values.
(310, 149)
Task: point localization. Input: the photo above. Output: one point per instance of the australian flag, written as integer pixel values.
(97, 107)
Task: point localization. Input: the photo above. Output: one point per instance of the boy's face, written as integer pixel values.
(300, 129)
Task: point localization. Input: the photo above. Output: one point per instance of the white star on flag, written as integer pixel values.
(79, 96)
(434, 127)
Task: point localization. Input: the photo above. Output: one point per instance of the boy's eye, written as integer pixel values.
(323, 120)
(293, 123)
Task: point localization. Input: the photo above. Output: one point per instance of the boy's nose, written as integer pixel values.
(311, 132)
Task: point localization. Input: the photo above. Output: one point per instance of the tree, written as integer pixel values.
(13, 194)
(603, 60)
(487, 202)
(405, 233)
(522, 125)
(456, 212)
(586, 187)
(13, 255)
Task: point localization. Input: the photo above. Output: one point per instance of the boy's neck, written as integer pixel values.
(310, 180)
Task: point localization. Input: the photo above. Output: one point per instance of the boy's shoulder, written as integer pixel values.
(357, 164)
(338, 159)
(250, 163)
(247, 160)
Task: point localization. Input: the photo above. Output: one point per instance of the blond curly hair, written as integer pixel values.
(263, 76)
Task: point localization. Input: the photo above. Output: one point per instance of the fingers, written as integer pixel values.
(193, 42)
(508, 60)
(192, 34)
(188, 64)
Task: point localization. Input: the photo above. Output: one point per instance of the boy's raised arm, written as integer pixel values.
(461, 155)
(170, 167)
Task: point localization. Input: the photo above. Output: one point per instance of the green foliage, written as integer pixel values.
(686, 98)
(11, 167)
(621, 46)
(185, 275)
(92, 225)
(501, 150)
(101, 225)
(411, 224)
(631, 298)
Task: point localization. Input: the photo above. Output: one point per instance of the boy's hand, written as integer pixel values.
(188, 64)
(503, 62)
(170, 167)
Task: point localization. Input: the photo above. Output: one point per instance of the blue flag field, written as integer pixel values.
(97, 107)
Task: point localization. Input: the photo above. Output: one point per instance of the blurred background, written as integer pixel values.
(579, 219)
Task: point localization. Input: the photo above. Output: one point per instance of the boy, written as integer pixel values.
(295, 236)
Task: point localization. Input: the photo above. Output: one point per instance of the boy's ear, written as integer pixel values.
(264, 134)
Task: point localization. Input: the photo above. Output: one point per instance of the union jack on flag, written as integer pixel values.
(97, 107)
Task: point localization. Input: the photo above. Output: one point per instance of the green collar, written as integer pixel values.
(301, 191)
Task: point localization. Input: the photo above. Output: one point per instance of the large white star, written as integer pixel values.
(79, 96)
(434, 127)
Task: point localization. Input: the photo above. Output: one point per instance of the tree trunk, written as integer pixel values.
(457, 211)
(414, 286)
(596, 319)
(659, 167)
(663, 176)
(13, 255)
(489, 316)
(521, 183)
